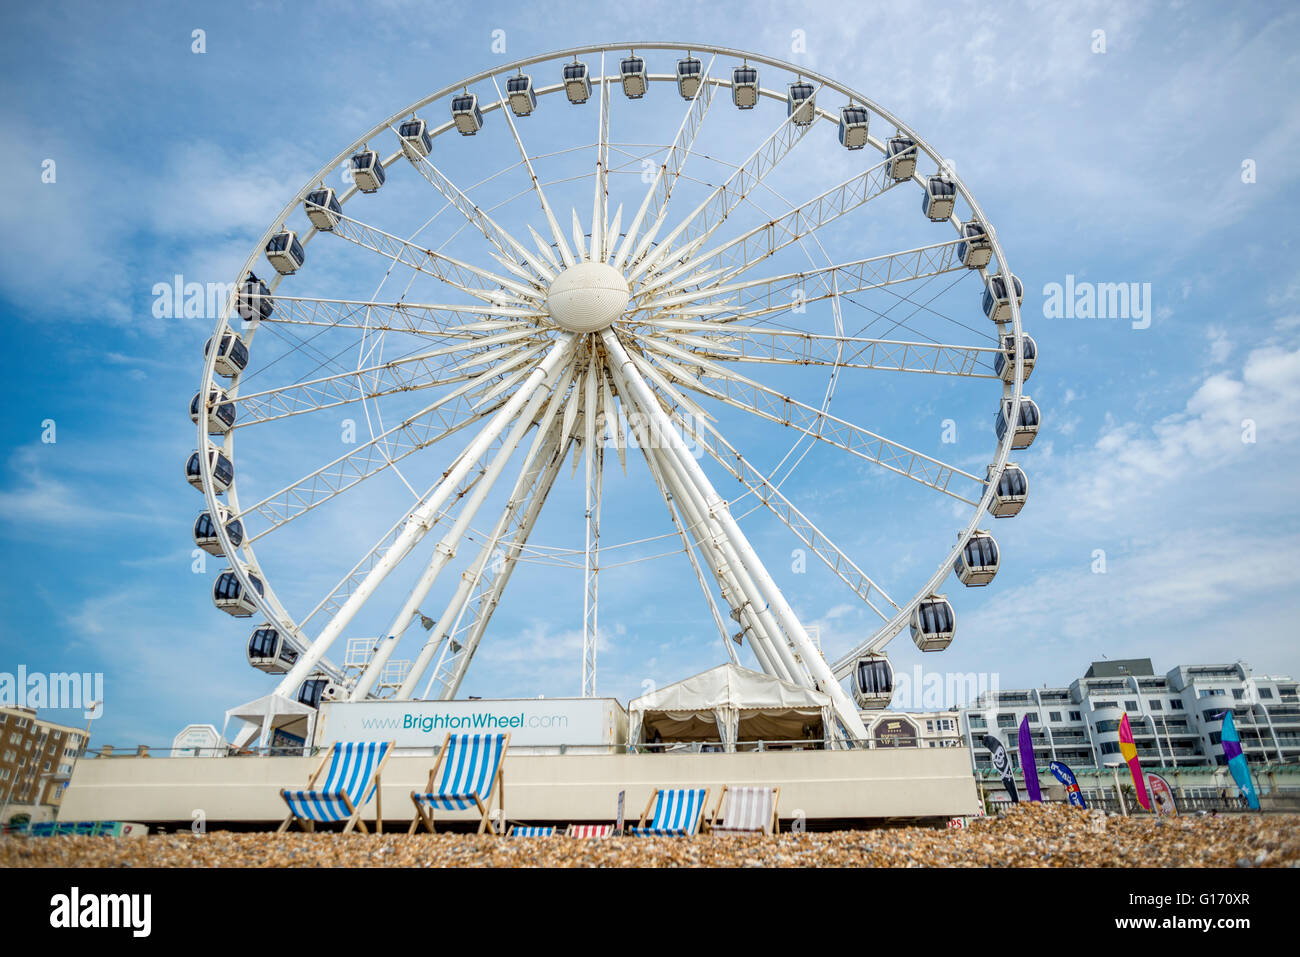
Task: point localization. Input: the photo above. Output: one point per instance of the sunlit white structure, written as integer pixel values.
(560, 304)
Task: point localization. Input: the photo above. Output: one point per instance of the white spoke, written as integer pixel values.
(556, 233)
(759, 297)
(471, 280)
(728, 343)
(601, 198)
(696, 228)
(410, 374)
(750, 248)
(423, 319)
(757, 399)
(670, 170)
(505, 244)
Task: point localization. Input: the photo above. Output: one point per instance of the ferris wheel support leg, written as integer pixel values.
(811, 659)
(760, 640)
(594, 463)
(768, 635)
(492, 597)
(420, 519)
(446, 548)
(691, 543)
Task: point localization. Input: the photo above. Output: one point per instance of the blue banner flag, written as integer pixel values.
(1237, 760)
(1066, 777)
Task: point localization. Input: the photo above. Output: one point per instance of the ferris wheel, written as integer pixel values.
(592, 252)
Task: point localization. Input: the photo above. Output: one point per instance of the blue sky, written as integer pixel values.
(1122, 166)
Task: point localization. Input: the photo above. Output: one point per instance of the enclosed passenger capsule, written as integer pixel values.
(232, 598)
(368, 171)
(268, 651)
(466, 114)
(900, 157)
(632, 70)
(873, 682)
(254, 300)
(978, 561)
(1011, 491)
(232, 357)
(800, 102)
(940, 197)
(744, 87)
(577, 82)
(205, 531)
(997, 299)
(316, 689)
(1004, 363)
(933, 623)
(974, 250)
(416, 141)
(285, 253)
(220, 411)
(689, 72)
(323, 208)
(853, 126)
(223, 472)
(520, 95)
(1026, 428)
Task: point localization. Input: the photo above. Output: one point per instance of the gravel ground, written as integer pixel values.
(1027, 836)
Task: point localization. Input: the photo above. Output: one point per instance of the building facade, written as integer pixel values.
(912, 729)
(36, 758)
(1177, 717)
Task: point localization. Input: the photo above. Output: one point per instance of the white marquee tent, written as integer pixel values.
(730, 704)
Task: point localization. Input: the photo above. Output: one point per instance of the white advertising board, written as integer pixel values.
(583, 724)
(197, 741)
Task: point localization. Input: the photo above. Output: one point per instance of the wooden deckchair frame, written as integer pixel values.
(424, 815)
(699, 818)
(775, 823)
(355, 819)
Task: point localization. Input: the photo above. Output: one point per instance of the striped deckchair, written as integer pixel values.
(590, 830)
(677, 813)
(471, 775)
(348, 785)
(749, 810)
(520, 830)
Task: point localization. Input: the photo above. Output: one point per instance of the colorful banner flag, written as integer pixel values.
(1066, 777)
(1128, 748)
(1029, 766)
(1162, 795)
(1002, 764)
(1237, 760)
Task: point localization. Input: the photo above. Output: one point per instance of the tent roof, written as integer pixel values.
(730, 686)
(255, 711)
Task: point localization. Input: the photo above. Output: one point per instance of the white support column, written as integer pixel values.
(594, 463)
(761, 640)
(811, 659)
(445, 551)
(420, 519)
(768, 633)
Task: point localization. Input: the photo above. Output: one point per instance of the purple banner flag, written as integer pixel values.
(1028, 766)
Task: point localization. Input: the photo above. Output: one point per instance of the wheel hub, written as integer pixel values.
(587, 297)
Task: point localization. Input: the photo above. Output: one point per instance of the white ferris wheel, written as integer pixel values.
(593, 252)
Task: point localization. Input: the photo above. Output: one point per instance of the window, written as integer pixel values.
(1006, 721)
(1076, 716)
(976, 721)
(1176, 704)
(1238, 693)
(1130, 706)
(1105, 705)
(1054, 717)
(1155, 705)
(1214, 714)
(1216, 737)
(1107, 727)
(1110, 747)
(929, 726)
(1266, 692)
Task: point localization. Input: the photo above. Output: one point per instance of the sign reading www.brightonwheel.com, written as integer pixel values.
(531, 722)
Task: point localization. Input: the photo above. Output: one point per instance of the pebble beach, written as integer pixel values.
(1046, 835)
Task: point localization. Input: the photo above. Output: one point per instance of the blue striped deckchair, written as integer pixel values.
(520, 830)
(677, 813)
(471, 776)
(348, 785)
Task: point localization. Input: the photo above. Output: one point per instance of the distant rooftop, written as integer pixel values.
(1120, 667)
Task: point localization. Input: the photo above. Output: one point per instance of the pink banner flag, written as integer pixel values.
(1128, 748)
